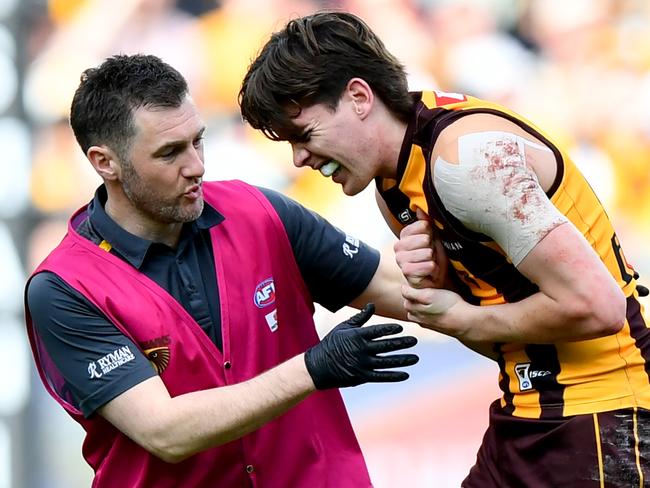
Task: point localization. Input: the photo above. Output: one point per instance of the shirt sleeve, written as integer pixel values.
(335, 266)
(77, 337)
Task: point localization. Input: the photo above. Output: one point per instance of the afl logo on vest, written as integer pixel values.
(264, 293)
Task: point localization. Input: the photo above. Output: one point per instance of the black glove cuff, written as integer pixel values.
(318, 376)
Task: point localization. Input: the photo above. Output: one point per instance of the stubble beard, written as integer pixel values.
(155, 207)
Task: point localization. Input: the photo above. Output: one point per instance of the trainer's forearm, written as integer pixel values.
(384, 290)
(176, 428)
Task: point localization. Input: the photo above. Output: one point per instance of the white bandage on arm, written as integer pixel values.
(492, 191)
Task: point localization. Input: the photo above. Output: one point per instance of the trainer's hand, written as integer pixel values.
(349, 354)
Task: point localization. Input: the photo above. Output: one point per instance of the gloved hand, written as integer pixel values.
(348, 355)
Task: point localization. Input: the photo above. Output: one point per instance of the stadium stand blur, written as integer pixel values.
(579, 68)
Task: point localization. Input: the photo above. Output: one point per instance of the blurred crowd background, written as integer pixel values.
(579, 68)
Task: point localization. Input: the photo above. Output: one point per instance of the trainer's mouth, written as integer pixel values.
(194, 192)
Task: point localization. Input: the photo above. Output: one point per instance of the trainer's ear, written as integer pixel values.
(361, 96)
(105, 162)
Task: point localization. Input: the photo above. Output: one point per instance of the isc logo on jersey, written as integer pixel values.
(264, 295)
(525, 375)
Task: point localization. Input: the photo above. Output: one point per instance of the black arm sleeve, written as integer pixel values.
(76, 335)
(336, 267)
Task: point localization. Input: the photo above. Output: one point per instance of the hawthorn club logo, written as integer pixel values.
(157, 352)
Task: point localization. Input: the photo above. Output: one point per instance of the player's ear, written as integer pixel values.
(360, 94)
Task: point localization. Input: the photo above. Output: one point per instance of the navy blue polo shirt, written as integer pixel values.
(75, 332)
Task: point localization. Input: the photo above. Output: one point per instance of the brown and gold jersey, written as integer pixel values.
(537, 380)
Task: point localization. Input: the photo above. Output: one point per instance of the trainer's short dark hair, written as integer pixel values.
(103, 105)
(310, 61)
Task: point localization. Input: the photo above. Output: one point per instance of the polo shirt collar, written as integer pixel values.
(131, 247)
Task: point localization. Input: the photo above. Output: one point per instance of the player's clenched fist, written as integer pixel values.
(420, 256)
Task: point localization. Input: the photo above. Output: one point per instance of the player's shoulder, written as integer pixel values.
(476, 122)
(446, 145)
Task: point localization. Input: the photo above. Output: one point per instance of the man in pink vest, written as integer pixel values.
(174, 320)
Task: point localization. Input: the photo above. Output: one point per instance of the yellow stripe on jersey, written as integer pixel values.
(411, 184)
(481, 289)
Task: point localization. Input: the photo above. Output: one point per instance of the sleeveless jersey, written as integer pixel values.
(266, 314)
(537, 380)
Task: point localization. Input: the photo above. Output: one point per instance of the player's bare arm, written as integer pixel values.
(424, 264)
(493, 177)
(414, 250)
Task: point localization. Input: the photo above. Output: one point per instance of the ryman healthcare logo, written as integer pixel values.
(264, 295)
(106, 364)
(350, 246)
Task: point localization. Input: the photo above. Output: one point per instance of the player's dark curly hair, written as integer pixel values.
(103, 105)
(310, 61)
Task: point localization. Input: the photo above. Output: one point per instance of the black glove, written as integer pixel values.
(348, 355)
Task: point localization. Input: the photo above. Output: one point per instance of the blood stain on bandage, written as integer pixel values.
(519, 214)
(493, 190)
(503, 155)
(526, 205)
(506, 168)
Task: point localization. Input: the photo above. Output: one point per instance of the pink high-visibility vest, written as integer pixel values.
(266, 318)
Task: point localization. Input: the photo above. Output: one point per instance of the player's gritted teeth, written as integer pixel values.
(329, 168)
